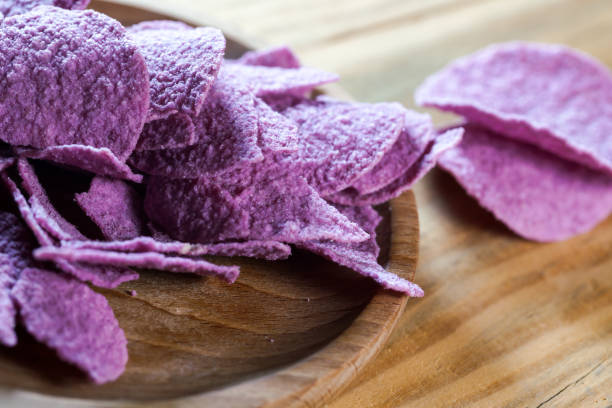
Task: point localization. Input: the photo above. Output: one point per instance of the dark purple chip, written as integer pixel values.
(73, 320)
(114, 207)
(148, 260)
(417, 171)
(71, 77)
(536, 194)
(274, 81)
(281, 57)
(8, 337)
(100, 161)
(269, 250)
(6, 162)
(416, 135)
(173, 132)
(276, 132)
(182, 63)
(227, 132)
(14, 7)
(342, 141)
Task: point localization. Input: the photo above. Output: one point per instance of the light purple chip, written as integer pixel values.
(536, 194)
(274, 81)
(342, 141)
(416, 135)
(183, 64)
(417, 171)
(71, 77)
(13, 7)
(361, 257)
(269, 250)
(547, 95)
(100, 161)
(159, 25)
(280, 56)
(173, 132)
(227, 133)
(74, 321)
(148, 260)
(276, 132)
(114, 207)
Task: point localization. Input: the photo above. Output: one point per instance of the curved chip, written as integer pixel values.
(418, 170)
(183, 64)
(548, 95)
(173, 132)
(536, 194)
(74, 321)
(114, 207)
(71, 77)
(280, 56)
(100, 161)
(14, 7)
(416, 135)
(340, 141)
(227, 132)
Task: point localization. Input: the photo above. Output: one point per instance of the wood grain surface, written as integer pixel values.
(505, 322)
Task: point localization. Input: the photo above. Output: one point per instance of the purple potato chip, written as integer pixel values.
(281, 57)
(114, 207)
(547, 95)
(226, 129)
(6, 162)
(71, 77)
(417, 171)
(183, 64)
(536, 194)
(73, 320)
(342, 141)
(100, 161)
(279, 103)
(172, 132)
(8, 337)
(273, 80)
(159, 25)
(269, 250)
(148, 260)
(14, 7)
(368, 219)
(264, 201)
(416, 135)
(276, 132)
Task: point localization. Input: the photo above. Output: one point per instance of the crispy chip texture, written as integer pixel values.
(546, 95)
(73, 320)
(536, 194)
(276, 132)
(71, 77)
(172, 132)
(13, 7)
(281, 57)
(183, 64)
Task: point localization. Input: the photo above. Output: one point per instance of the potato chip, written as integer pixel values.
(536, 194)
(281, 57)
(74, 321)
(71, 77)
(8, 337)
(547, 95)
(159, 25)
(276, 132)
(13, 7)
(172, 132)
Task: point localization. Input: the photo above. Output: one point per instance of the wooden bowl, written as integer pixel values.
(286, 334)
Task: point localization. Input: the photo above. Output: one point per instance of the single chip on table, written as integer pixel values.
(227, 133)
(115, 207)
(276, 132)
(443, 142)
(71, 77)
(263, 80)
(280, 56)
(547, 95)
(264, 201)
(13, 7)
(339, 142)
(182, 63)
(100, 161)
(416, 135)
(536, 194)
(173, 132)
(70, 318)
(362, 256)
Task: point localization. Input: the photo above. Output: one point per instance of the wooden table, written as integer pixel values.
(505, 322)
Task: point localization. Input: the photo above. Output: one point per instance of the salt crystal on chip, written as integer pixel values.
(281, 57)
(71, 77)
(536, 194)
(74, 321)
(548, 95)
(13, 7)
(114, 207)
